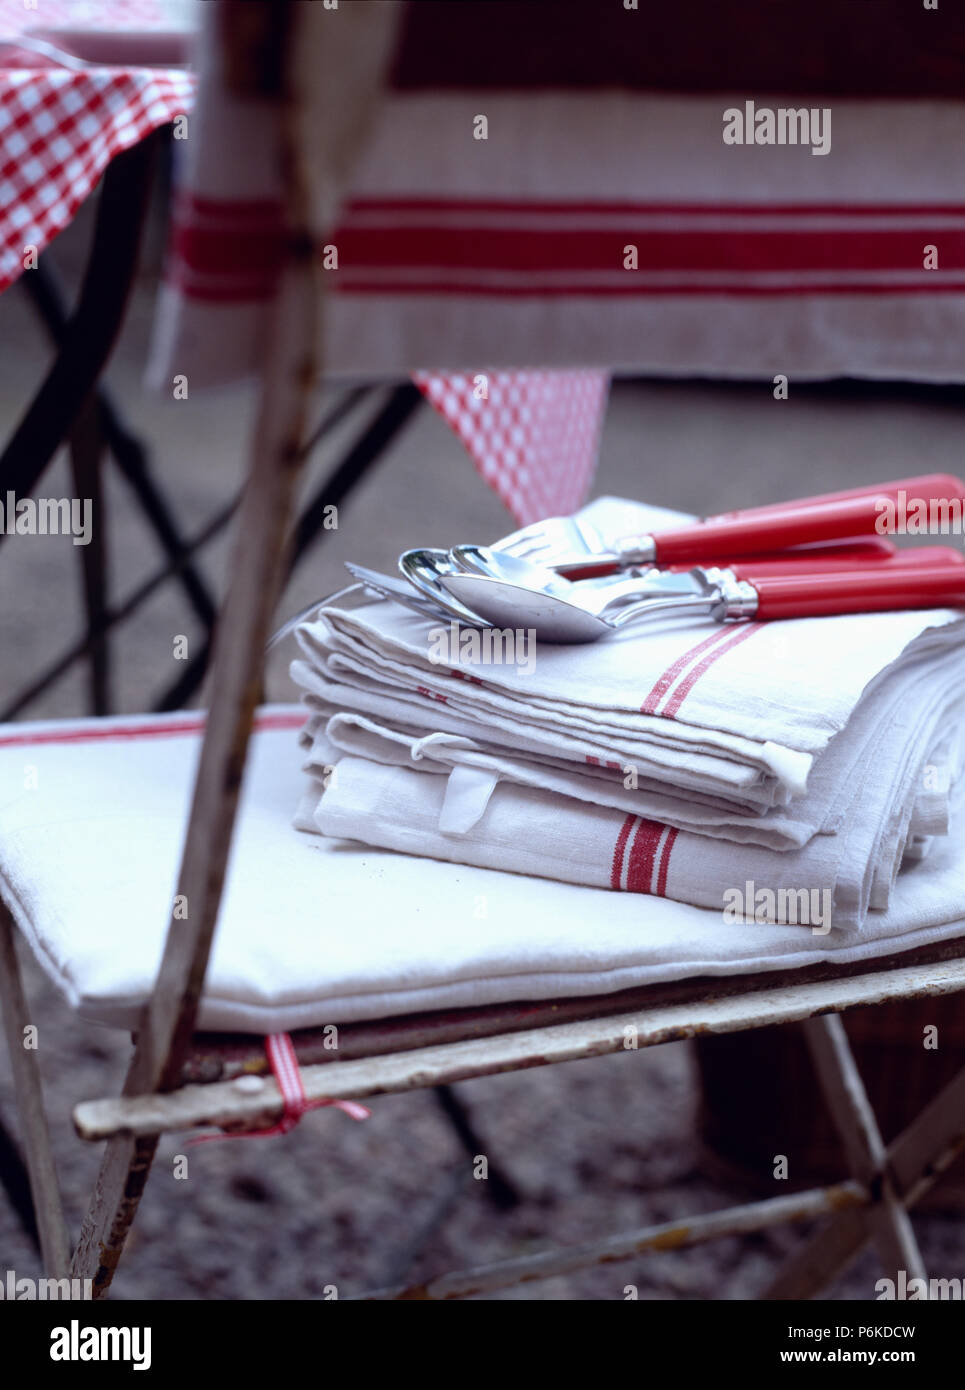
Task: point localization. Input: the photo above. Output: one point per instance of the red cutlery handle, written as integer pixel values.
(800, 524)
(870, 551)
(927, 484)
(844, 559)
(818, 559)
(886, 587)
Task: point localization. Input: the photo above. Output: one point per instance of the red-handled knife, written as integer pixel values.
(931, 577)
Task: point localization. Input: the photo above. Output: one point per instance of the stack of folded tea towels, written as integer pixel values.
(779, 772)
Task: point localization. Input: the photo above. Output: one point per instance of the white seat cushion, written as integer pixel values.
(316, 931)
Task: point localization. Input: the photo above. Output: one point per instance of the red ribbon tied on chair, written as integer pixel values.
(284, 1066)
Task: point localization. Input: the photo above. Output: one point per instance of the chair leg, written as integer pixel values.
(111, 1210)
(669, 1235)
(16, 1183)
(54, 1241)
(821, 1258)
(243, 627)
(915, 1160)
(867, 1157)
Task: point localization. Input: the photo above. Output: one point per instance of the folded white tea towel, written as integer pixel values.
(314, 930)
(900, 727)
(832, 880)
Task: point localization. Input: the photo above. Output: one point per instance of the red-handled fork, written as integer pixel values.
(934, 484)
(572, 546)
(803, 522)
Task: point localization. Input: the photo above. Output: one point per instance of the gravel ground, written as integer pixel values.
(596, 1146)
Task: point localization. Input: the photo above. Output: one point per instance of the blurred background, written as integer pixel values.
(606, 1144)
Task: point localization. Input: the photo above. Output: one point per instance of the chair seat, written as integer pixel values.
(315, 931)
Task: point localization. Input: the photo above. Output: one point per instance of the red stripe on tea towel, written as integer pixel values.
(619, 850)
(677, 668)
(473, 250)
(672, 706)
(643, 853)
(649, 856)
(668, 844)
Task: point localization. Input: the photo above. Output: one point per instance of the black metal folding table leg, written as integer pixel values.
(499, 1189)
(114, 615)
(129, 452)
(402, 403)
(86, 446)
(94, 325)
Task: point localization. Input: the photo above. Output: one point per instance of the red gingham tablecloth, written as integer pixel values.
(60, 128)
(533, 436)
(58, 132)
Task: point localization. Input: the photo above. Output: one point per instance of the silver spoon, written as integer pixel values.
(558, 619)
(426, 569)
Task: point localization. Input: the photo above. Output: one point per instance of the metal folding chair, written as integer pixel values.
(161, 1094)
